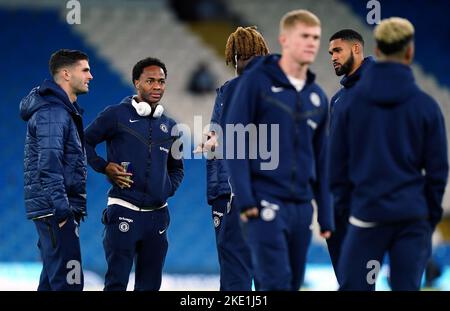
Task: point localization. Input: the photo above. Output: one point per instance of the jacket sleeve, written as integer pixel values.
(241, 112)
(436, 164)
(52, 125)
(212, 178)
(175, 169)
(101, 129)
(340, 184)
(321, 184)
(215, 117)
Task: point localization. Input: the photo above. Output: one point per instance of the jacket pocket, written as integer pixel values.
(50, 231)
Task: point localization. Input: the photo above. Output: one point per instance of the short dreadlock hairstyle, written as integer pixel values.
(245, 43)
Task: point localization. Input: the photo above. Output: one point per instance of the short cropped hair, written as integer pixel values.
(348, 35)
(291, 18)
(143, 63)
(63, 58)
(393, 35)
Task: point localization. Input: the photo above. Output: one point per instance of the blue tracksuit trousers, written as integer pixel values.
(61, 256)
(336, 240)
(232, 249)
(408, 245)
(139, 236)
(279, 239)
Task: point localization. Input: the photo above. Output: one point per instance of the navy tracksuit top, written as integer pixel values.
(265, 96)
(388, 149)
(341, 205)
(146, 143)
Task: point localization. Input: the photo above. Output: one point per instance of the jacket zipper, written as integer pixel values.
(297, 119)
(142, 139)
(149, 157)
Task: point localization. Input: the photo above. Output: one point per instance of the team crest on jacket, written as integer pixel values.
(124, 226)
(315, 99)
(216, 221)
(163, 128)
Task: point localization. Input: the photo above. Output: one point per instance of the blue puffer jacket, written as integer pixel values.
(55, 160)
(217, 175)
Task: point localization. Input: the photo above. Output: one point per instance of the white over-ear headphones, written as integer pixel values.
(144, 110)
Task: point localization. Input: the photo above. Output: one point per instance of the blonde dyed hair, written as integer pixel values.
(393, 35)
(245, 42)
(291, 18)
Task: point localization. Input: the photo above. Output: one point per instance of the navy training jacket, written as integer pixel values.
(265, 96)
(146, 143)
(346, 94)
(388, 149)
(217, 174)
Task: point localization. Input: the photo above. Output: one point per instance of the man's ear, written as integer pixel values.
(136, 83)
(409, 55)
(378, 53)
(65, 74)
(356, 48)
(282, 39)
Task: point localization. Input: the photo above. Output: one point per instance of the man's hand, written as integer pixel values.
(209, 145)
(325, 234)
(62, 223)
(249, 213)
(117, 174)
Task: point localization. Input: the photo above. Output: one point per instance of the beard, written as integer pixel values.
(345, 67)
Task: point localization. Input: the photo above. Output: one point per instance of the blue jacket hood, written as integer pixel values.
(349, 81)
(388, 83)
(126, 100)
(47, 93)
(278, 76)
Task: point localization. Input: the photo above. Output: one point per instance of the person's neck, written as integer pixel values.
(292, 68)
(394, 59)
(72, 96)
(356, 65)
(139, 99)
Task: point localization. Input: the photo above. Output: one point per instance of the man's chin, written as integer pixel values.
(83, 91)
(153, 101)
(339, 72)
(307, 61)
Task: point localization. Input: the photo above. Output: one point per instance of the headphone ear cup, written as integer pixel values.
(159, 110)
(143, 109)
